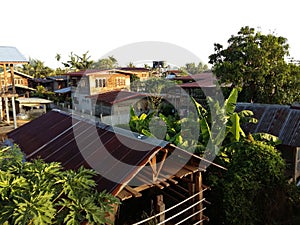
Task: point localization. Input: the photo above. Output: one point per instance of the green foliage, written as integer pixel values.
(36, 68)
(77, 62)
(254, 187)
(106, 63)
(192, 68)
(43, 193)
(256, 63)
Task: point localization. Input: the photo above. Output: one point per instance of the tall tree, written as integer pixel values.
(106, 63)
(36, 68)
(192, 68)
(256, 63)
(77, 62)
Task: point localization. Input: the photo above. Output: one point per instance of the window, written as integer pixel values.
(120, 81)
(100, 83)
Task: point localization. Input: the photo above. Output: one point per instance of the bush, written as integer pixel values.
(254, 190)
(43, 193)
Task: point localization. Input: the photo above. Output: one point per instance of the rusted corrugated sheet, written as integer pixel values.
(279, 120)
(115, 96)
(59, 137)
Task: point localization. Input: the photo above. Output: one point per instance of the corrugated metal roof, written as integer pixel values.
(20, 74)
(89, 72)
(10, 54)
(196, 77)
(280, 120)
(61, 137)
(134, 69)
(112, 97)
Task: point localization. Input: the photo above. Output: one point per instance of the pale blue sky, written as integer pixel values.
(40, 29)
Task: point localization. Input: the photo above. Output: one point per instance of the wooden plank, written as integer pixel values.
(123, 195)
(166, 184)
(183, 173)
(172, 180)
(191, 168)
(132, 191)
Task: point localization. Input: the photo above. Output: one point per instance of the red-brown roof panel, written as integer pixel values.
(61, 137)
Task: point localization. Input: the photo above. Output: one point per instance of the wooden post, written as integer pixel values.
(12, 78)
(160, 207)
(5, 78)
(192, 188)
(1, 110)
(7, 110)
(198, 187)
(14, 112)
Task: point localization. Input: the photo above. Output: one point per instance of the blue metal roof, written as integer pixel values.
(12, 55)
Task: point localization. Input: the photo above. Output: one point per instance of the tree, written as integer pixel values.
(37, 193)
(77, 62)
(36, 68)
(254, 190)
(256, 63)
(106, 63)
(192, 68)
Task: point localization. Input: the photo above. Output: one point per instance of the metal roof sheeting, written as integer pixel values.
(10, 54)
(115, 96)
(280, 120)
(60, 137)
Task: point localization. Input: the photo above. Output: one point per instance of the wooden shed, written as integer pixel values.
(282, 121)
(154, 179)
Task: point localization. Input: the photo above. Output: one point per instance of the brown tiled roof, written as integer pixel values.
(75, 142)
(280, 120)
(112, 97)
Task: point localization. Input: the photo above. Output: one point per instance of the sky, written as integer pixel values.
(41, 29)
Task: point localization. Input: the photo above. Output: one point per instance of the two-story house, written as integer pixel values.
(90, 82)
(141, 73)
(21, 81)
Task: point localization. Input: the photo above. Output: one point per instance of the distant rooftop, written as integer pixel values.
(282, 121)
(11, 55)
(115, 96)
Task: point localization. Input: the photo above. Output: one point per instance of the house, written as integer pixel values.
(21, 81)
(146, 174)
(90, 82)
(9, 56)
(141, 73)
(59, 82)
(201, 85)
(32, 107)
(116, 104)
(282, 121)
(46, 83)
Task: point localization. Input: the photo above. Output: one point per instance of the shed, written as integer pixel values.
(282, 121)
(129, 165)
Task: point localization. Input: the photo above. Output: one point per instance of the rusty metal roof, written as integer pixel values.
(115, 96)
(134, 69)
(74, 141)
(11, 55)
(282, 121)
(88, 72)
(196, 77)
